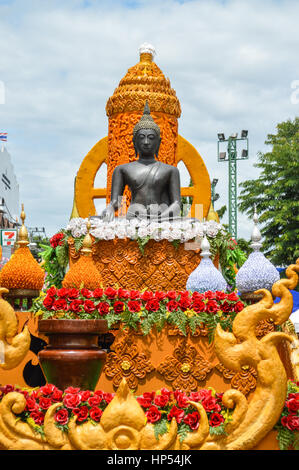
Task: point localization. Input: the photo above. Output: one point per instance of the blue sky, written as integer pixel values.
(231, 63)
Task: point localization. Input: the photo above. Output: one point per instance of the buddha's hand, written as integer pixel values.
(108, 214)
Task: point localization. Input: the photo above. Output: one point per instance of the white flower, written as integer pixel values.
(143, 232)
(108, 233)
(121, 232)
(143, 223)
(131, 233)
(165, 225)
(175, 235)
(165, 234)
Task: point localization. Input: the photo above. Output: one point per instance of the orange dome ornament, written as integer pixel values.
(83, 273)
(22, 274)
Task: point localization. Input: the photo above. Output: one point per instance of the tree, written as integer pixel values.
(275, 193)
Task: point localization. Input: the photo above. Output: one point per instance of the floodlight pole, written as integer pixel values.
(232, 158)
(232, 186)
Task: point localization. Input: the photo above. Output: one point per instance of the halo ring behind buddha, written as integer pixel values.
(85, 193)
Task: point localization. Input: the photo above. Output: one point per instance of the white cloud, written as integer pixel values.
(231, 63)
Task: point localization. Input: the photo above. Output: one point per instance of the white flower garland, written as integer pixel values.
(184, 230)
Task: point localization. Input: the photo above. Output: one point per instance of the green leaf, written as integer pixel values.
(285, 438)
(183, 431)
(217, 430)
(62, 256)
(160, 428)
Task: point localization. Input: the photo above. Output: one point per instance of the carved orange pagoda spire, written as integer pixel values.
(84, 272)
(143, 82)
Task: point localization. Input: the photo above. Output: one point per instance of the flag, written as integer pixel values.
(3, 136)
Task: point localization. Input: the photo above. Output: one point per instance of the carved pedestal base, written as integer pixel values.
(162, 266)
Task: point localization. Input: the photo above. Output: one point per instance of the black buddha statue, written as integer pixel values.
(155, 186)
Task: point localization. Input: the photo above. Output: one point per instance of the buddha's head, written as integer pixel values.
(146, 135)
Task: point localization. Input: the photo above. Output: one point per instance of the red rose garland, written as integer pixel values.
(133, 306)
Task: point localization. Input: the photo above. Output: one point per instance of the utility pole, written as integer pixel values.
(231, 157)
(214, 196)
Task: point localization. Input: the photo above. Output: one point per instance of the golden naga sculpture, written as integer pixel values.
(14, 347)
(123, 424)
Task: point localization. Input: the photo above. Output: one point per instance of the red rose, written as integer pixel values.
(220, 295)
(86, 293)
(56, 396)
(48, 302)
(185, 303)
(123, 293)
(7, 389)
(85, 395)
(60, 304)
(195, 396)
(89, 306)
(172, 305)
(212, 306)
(95, 400)
(226, 307)
(146, 399)
(198, 306)
(147, 295)
(210, 295)
(184, 294)
(99, 393)
(95, 413)
(152, 305)
(161, 400)
(52, 291)
(210, 404)
(192, 419)
(98, 293)
(75, 305)
(293, 395)
(31, 404)
(197, 296)
(181, 398)
(103, 308)
(293, 405)
(171, 295)
(159, 295)
(203, 394)
(166, 392)
(71, 400)
(134, 294)
(118, 306)
(216, 419)
(238, 306)
(47, 389)
(73, 390)
(45, 403)
(62, 293)
(38, 417)
(291, 422)
(134, 306)
(153, 414)
(73, 294)
(81, 413)
(61, 416)
(110, 293)
(176, 413)
(57, 239)
(232, 297)
(108, 397)
(219, 397)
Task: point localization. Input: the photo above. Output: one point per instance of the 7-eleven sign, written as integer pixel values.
(8, 237)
